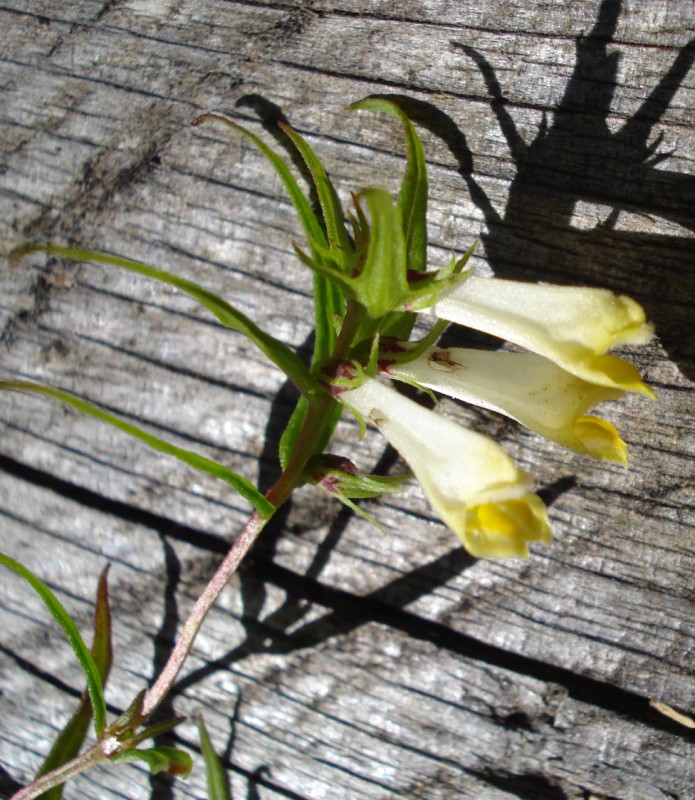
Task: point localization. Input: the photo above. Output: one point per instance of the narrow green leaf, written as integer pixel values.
(294, 426)
(328, 299)
(425, 343)
(289, 437)
(69, 741)
(327, 269)
(131, 717)
(338, 239)
(216, 775)
(102, 647)
(95, 686)
(412, 199)
(245, 488)
(329, 305)
(310, 223)
(276, 351)
(160, 759)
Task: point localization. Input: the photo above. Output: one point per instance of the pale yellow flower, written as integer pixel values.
(526, 387)
(575, 327)
(472, 484)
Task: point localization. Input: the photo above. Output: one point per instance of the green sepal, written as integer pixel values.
(346, 501)
(280, 354)
(338, 475)
(159, 759)
(409, 351)
(95, 685)
(397, 325)
(412, 198)
(132, 738)
(215, 774)
(131, 717)
(420, 388)
(243, 486)
(70, 740)
(340, 478)
(338, 239)
(372, 366)
(425, 291)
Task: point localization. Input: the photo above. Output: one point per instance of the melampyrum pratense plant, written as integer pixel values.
(370, 281)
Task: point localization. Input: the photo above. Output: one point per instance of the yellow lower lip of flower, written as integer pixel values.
(600, 439)
(503, 530)
(608, 370)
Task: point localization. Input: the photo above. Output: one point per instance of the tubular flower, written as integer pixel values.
(526, 387)
(573, 326)
(470, 481)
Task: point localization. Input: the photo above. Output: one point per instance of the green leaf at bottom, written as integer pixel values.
(245, 488)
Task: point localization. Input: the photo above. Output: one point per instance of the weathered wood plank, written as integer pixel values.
(96, 149)
(333, 704)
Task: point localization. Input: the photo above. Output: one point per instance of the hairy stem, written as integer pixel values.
(320, 409)
(184, 643)
(57, 776)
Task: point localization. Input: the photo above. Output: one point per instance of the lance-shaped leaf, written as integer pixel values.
(383, 283)
(276, 351)
(310, 223)
(215, 773)
(68, 743)
(412, 198)
(328, 299)
(294, 427)
(338, 239)
(245, 488)
(95, 686)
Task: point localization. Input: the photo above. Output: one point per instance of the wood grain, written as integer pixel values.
(343, 663)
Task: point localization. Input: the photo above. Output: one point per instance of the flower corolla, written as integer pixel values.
(575, 327)
(525, 386)
(470, 481)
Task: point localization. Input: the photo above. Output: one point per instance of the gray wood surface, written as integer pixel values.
(342, 663)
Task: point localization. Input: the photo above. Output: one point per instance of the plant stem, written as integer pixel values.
(55, 777)
(320, 408)
(242, 544)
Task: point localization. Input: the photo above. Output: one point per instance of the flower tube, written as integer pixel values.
(573, 326)
(526, 387)
(474, 486)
